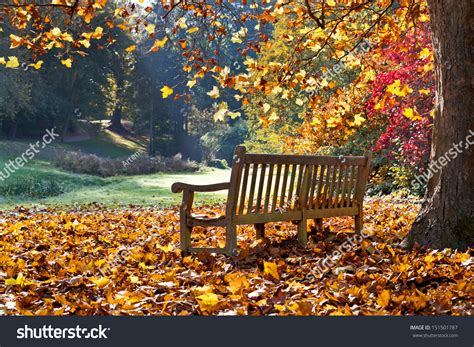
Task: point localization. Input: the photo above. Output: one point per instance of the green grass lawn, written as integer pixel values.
(79, 189)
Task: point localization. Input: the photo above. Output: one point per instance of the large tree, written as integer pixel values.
(447, 215)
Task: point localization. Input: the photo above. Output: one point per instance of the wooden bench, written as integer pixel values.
(267, 188)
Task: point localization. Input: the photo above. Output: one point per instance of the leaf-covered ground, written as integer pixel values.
(127, 262)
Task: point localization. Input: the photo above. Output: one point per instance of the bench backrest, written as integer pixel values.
(267, 183)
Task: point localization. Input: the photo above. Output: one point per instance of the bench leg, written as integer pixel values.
(318, 222)
(302, 232)
(358, 223)
(231, 240)
(185, 230)
(185, 235)
(260, 230)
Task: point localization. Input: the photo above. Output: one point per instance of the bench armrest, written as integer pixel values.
(178, 187)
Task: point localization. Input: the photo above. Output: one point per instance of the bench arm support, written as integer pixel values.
(178, 187)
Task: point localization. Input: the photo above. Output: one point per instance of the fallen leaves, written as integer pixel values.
(101, 261)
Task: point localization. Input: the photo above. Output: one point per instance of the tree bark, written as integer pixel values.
(447, 215)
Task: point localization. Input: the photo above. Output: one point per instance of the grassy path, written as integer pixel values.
(146, 190)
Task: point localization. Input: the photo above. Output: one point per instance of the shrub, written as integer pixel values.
(31, 186)
(218, 163)
(105, 167)
(221, 143)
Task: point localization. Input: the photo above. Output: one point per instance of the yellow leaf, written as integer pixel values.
(15, 41)
(158, 44)
(273, 117)
(166, 91)
(384, 298)
(397, 89)
(425, 53)
(98, 33)
(86, 43)
(67, 62)
(191, 83)
(424, 91)
(220, 114)
(424, 17)
(266, 107)
(192, 30)
(12, 62)
(411, 115)
(270, 268)
(214, 93)
(100, 282)
(56, 31)
(131, 48)
(134, 279)
(208, 302)
(358, 120)
(19, 281)
(150, 29)
(37, 65)
(11, 282)
(237, 283)
(2, 61)
(379, 105)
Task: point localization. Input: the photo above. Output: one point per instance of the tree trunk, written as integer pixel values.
(12, 130)
(116, 122)
(447, 215)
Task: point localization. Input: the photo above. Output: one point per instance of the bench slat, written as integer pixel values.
(299, 186)
(275, 188)
(282, 204)
(338, 194)
(313, 181)
(269, 188)
(304, 159)
(260, 188)
(323, 169)
(290, 189)
(326, 186)
(332, 187)
(344, 186)
(252, 188)
(350, 202)
(244, 188)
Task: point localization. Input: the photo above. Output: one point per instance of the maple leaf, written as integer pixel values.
(12, 62)
(383, 299)
(271, 268)
(67, 62)
(37, 65)
(15, 40)
(425, 53)
(411, 115)
(214, 93)
(208, 302)
(100, 282)
(192, 30)
(166, 91)
(158, 44)
(397, 89)
(190, 83)
(131, 48)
